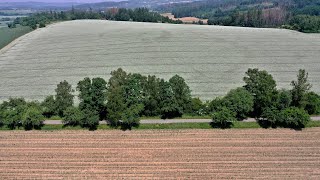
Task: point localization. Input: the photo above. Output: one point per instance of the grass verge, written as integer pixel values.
(236, 125)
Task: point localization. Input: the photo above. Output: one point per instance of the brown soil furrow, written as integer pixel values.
(161, 154)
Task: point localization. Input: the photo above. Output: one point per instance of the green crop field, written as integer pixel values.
(7, 35)
(212, 59)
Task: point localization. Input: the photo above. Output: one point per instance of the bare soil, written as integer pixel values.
(163, 154)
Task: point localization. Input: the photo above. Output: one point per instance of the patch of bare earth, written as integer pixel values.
(161, 154)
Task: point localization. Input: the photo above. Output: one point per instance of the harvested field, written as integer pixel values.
(212, 59)
(165, 154)
(185, 19)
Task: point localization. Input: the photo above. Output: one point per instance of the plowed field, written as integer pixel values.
(165, 154)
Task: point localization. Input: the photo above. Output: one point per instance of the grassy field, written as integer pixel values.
(161, 154)
(212, 59)
(7, 35)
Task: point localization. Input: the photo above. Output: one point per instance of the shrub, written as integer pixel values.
(42, 25)
(72, 116)
(32, 118)
(293, 118)
(269, 118)
(312, 103)
(239, 101)
(215, 105)
(223, 118)
(11, 112)
(171, 111)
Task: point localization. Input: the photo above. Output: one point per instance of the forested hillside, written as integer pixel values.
(301, 15)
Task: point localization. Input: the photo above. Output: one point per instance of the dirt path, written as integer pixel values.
(161, 154)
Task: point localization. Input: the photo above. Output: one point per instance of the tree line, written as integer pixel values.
(44, 18)
(126, 97)
(298, 15)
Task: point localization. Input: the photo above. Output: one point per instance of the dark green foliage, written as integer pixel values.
(168, 103)
(312, 103)
(116, 105)
(291, 117)
(181, 92)
(197, 107)
(49, 107)
(284, 99)
(299, 15)
(239, 101)
(130, 117)
(269, 118)
(12, 111)
(92, 96)
(294, 118)
(32, 118)
(300, 88)
(139, 15)
(262, 86)
(223, 118)
(90, 119)
(125, 99)
(42, 25)
(72, 116)
(306, 23)
(215, 105)
(12, 25)
(152, 96)
(63, 98)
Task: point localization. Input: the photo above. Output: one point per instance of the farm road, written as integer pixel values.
(169, 121)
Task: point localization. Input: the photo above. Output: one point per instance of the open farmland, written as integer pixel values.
(212, 59)
(166, 154)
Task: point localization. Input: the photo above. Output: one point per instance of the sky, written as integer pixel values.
(59, 1)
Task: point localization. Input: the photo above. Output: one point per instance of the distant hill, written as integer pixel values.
(34, 5)
(131, 4)
(302, 15)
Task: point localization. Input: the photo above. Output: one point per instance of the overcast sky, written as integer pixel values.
(58, 1)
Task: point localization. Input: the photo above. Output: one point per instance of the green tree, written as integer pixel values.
(152, 99)
(284, 99)
(130, 117)
(239, 101)
(92, 96)
(223, 118)
(115, 105)
(125, 98)
(32, 118)
(312, 103)
(64, 97)
(72, 116)
(90, 119)
(12, 111)
(262, 86)
(168, 103)
(300, 88)
(181, 92)
(49, 107)
(196, 107)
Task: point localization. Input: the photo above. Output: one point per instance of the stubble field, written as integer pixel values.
(212, 59)
(161, 154)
